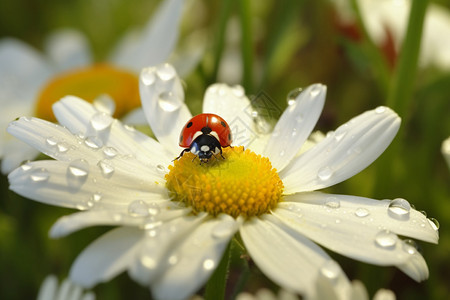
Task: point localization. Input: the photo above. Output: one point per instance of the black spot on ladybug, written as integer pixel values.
(223, 124)
(206, 130)
(189, 125)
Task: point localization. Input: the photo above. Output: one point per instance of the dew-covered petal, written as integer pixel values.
(106, 257)
(137, 214)
(198, 255)
(162, 98)
(81, 185)
(281, 253)
(82, 118)
(231, 104)
(68, 49)
(155, 43)
(343, 153)
(356, 227)
(295, 125)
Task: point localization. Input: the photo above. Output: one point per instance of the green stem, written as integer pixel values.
(246, 44)
(215, 288)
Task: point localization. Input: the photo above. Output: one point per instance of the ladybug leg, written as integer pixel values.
(221, 153)
(181, 154)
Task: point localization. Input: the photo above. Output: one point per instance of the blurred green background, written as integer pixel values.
(280, 45)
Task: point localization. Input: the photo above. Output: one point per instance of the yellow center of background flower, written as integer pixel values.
(242, 184)
(89, 83)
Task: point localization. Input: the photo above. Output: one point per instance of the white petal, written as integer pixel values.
(383, 294)
(295, 125)
(68, 48)
(78, 184)
(281, 253)
(79, 117)
(231, 104)
(16, 152)
(356, 227)
(149, 212)
(162, 99)
(416, 266)
(48, 288)
(198, 256)
(343, 153)
(154, 45)
(106, 257)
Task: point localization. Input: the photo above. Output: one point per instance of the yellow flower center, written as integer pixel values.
(242, 184)
(89, 83)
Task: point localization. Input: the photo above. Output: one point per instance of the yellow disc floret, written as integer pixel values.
(89, 83)
(242, 184)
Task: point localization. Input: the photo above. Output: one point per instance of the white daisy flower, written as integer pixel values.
(175, 219)
(30, 81)
(386, 22)
(51, 290)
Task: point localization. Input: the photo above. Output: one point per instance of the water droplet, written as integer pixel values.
(238, 91)
(340, 132)
(165, 72)
(154, 209)
(325, 173)
(380, 109)
(316, 89)
(282, 152)
(39, 175)
(330, 270)
(51, 141)
(169, 102)
(26, 166)
(161, 169)
(208, 264)
(148, 76)
(292, 95)
(63, 147)
(93, 142)
(254, 113)
(101, 120)
(423, 212)
(361, 212)
(106, 167)
(434, 223)
(138, 208)
(399, 209)
(332, 202)
(410, 246)
(173, 259)
(386, 239)
(96, 197)
(148, 262)
(294, 132)
(77, 173)
(110, 152)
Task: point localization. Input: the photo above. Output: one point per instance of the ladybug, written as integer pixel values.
(204, 135)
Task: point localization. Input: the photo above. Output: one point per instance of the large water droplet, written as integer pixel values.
(330, 270)
(106, 167)
(51, 141)
(292, 95)
(26, 166)
(324, 173)
(208, 264)
(316, 89)
(386, 239)
(63, 147)
(361, 212)
(138, 208)
(93, 142)
(165, 72)
(39, 175)
(101, 120)
(110, 152)
(434, 223)
(332, 202)
(399, 209)
(148, 76)
(77, 173)
(169, 102)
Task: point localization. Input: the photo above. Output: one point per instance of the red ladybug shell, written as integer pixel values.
(194, 126)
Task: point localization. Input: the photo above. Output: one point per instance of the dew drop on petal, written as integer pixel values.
(148, 262)
(315, 90)
(423, 212)
(138, 208)
(332, 202)
(361, 212)
(292, 95)
(106, 167)
(410, 246)
(386, 239)
(340, 132)
(165, 72)
(208, 264)
(63, 147)
(96, 197)
(324, 173)
(399, 209)
(79, 168)
(101, 120)
(110, 152)
(330, 270)
(154, 209)
(161, 169)
(169, 102)
(51, 141)
(93, 142)
(39, 175)
(434, 223)
(148, 76)
(238, 91)
(26, 166)
(380, 109)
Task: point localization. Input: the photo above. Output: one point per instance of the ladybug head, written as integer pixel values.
(205, 146)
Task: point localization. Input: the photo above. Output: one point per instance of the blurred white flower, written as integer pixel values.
(445, 149)
(51, 290)
(31, 81)
(175, 221)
